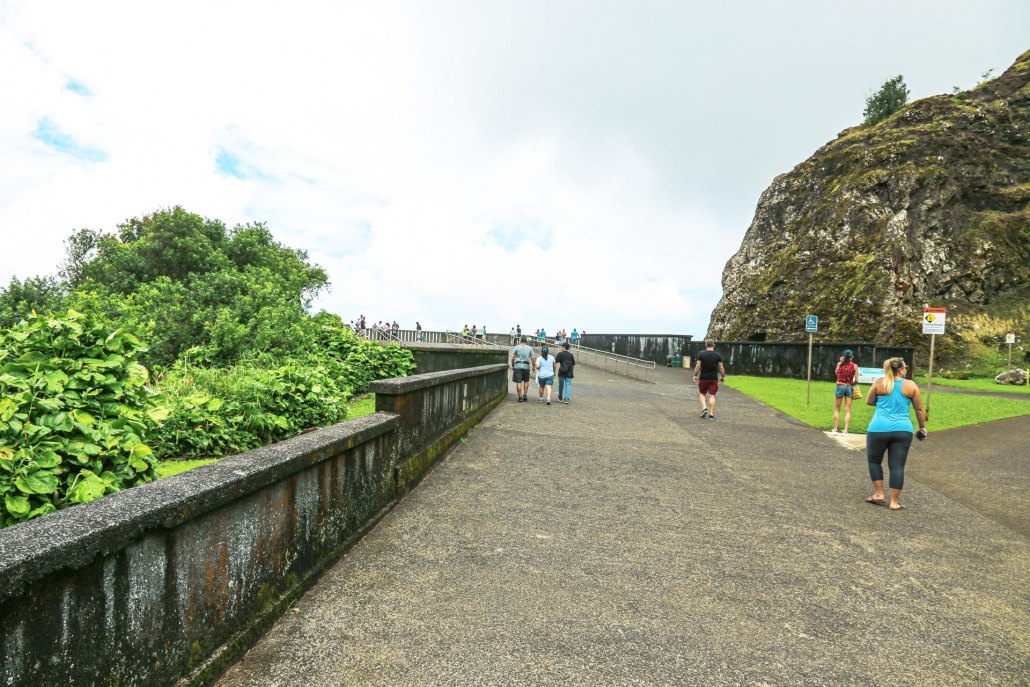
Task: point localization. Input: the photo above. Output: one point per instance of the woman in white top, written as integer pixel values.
(545, 374)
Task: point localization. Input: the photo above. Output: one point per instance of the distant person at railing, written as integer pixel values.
(396, 328)
(418, 332)
(518, 332)
(543, 335)
(511, 336)
(574, 336)
(465, 330)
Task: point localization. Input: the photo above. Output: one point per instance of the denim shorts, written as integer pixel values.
(546, 381)
(842, 391)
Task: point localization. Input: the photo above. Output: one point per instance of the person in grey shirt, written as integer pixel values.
(522, 363)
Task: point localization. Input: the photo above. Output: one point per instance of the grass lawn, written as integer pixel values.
(361, 405)
(946, 411)
(974, 384)
(358, 406)
(167, 468)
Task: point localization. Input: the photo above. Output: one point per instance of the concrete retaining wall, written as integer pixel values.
(437, 358)
(174, 580)
(763, 359)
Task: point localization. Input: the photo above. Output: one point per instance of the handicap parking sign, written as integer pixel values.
(811, 323)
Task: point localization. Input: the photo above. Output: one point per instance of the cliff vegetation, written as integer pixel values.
(930, 207)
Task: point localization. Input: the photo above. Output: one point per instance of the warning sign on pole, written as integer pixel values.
(933, 320)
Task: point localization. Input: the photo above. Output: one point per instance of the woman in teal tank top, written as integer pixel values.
(890, 430)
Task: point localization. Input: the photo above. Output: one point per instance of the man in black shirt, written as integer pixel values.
(707, 371)
(565, 362)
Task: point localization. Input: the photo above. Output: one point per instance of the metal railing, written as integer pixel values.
(376, 334)
(605, 360)
(634, 368)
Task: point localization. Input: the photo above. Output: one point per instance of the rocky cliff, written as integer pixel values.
(930, 207)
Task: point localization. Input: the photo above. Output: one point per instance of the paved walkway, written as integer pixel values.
(621, 540)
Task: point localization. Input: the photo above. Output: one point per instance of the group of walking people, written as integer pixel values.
(889, 432)
(547, 367)
(474, 331)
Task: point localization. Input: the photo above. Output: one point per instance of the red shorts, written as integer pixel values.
(708, 386)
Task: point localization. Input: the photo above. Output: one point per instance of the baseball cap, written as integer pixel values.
(848, 352)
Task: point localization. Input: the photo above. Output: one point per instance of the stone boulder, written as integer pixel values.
(1014, 377)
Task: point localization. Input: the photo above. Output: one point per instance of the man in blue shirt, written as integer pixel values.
(521, 364)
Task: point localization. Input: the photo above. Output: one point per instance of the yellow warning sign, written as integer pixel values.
(933, 320)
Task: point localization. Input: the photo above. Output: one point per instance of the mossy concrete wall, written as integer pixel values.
(441, 357)
(168, 583)
(764, 359)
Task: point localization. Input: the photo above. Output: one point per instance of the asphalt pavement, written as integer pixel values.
(622, 540)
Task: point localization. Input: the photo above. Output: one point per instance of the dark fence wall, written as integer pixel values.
(175, 579)
(655, 347)
(764, 359)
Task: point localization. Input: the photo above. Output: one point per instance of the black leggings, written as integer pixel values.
(896, 445)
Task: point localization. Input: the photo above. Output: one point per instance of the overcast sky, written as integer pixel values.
(556, 164)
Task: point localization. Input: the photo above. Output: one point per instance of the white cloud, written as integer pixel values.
(408, 146)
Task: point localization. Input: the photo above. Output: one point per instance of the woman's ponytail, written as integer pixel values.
(891, 367)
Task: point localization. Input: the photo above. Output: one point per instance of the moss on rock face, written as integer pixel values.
(929, 207)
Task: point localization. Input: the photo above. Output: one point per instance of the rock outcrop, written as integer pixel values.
(1014, 377)
(930, 207)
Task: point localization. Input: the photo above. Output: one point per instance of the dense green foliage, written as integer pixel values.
(217, 411)
(73, 415)
(21, 298)
(892, 96)
(239, 362)
(357, 407)
(182, 282)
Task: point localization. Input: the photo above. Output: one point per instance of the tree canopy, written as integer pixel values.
(184, 282)
(892, 96)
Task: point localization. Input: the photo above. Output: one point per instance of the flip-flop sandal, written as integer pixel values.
(876, 502)
(900, 507)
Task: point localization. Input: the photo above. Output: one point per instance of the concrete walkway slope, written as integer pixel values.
(621, 540)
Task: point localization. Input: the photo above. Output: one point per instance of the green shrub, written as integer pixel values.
(219, 411)
(74, 414)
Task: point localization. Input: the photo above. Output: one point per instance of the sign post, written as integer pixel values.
(811, 326)
(933, 324)
(1010, 339)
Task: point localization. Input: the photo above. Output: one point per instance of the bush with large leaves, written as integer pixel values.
(74, 413)
(217, 411)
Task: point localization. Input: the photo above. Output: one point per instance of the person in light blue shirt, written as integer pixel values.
(574, 337)
(521, 365)
(544, 374)
(890, 430)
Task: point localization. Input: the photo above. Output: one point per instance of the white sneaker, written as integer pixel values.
(845, 432)
(834, 432)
